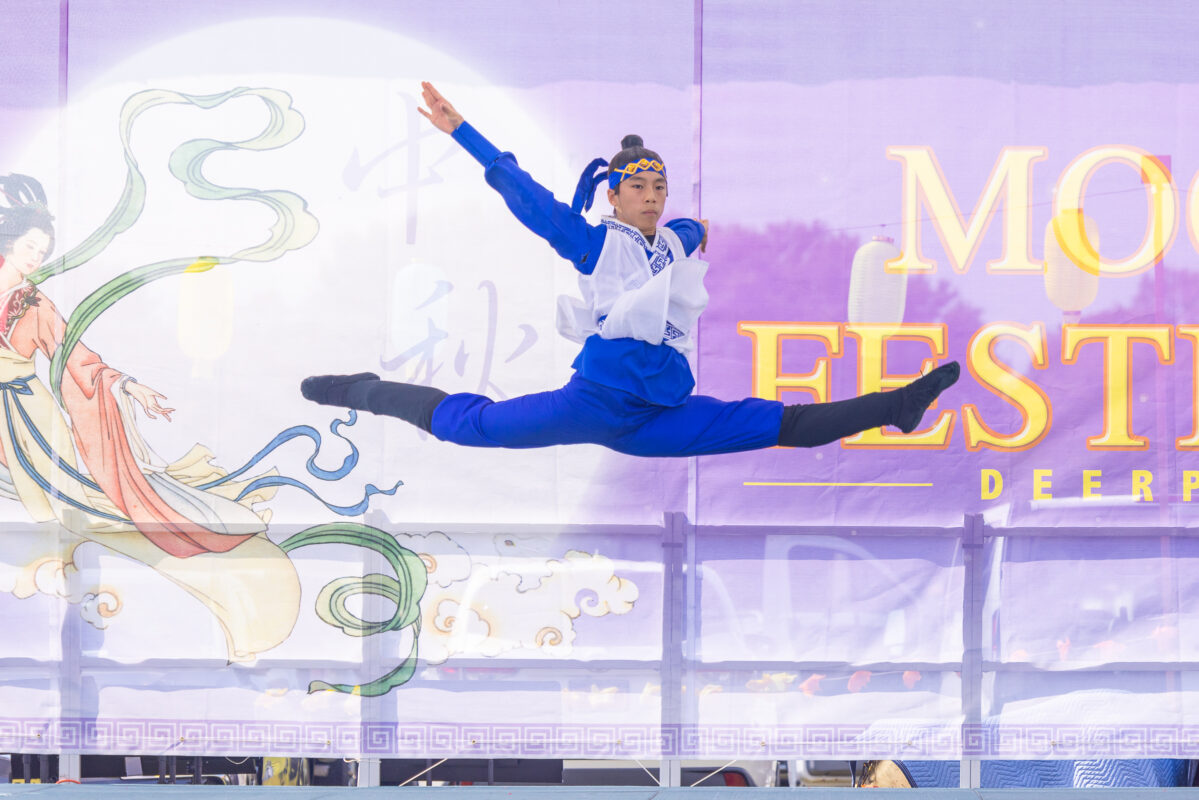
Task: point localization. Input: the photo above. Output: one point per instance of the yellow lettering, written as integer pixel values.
(1090, 482)
(1035, 410)
(1191, 332)
(1193, 216)
(991, 484)
(1117, 341)
(872, 377)
(1190, 482)
(1162, 197)
(769, 381)
(1141, 480)
(923, 178)
(1041, 484)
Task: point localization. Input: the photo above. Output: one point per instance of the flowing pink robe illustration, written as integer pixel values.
(126, 497)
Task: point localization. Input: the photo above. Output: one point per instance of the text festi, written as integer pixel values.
(1010, 181)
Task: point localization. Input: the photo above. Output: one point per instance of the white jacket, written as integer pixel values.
(638, 291)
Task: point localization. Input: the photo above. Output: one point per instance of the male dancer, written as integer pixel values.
(642, 293)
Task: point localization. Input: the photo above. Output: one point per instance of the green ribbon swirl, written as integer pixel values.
(404, 590)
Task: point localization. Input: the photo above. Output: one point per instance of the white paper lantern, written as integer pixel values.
(1070, 287)
(876, 295)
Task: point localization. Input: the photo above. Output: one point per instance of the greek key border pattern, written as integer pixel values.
(436, 740)
(1081, 741)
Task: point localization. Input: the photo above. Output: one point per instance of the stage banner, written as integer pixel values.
(206, 202)
(1016, 193)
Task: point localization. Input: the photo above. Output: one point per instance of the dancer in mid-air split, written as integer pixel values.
(642, 296)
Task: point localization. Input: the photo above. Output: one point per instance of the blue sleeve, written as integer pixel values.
(689, 231)
(571, 236)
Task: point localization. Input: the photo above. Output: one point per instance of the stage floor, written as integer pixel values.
(168, 792)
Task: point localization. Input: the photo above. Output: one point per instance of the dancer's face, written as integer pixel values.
(28, 251)
(639, 201)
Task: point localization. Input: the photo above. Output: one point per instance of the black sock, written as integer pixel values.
(407, 401)
(339, 390)
(917, 396)
(365, 392)
(820, 423)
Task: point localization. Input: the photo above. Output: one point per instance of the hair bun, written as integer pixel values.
(632, 140)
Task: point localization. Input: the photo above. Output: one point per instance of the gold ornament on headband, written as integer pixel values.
(644, 165)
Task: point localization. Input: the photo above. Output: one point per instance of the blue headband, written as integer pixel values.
(632, 168)
(591, 177)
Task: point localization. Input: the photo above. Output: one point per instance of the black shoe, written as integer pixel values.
(917, 396)
(331, 390)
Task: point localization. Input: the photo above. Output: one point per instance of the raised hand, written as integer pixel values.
(148, 399)
(443, 115)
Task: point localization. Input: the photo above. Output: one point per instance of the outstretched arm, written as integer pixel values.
(571, 236)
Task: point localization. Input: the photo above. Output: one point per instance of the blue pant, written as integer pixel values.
(584, 412)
